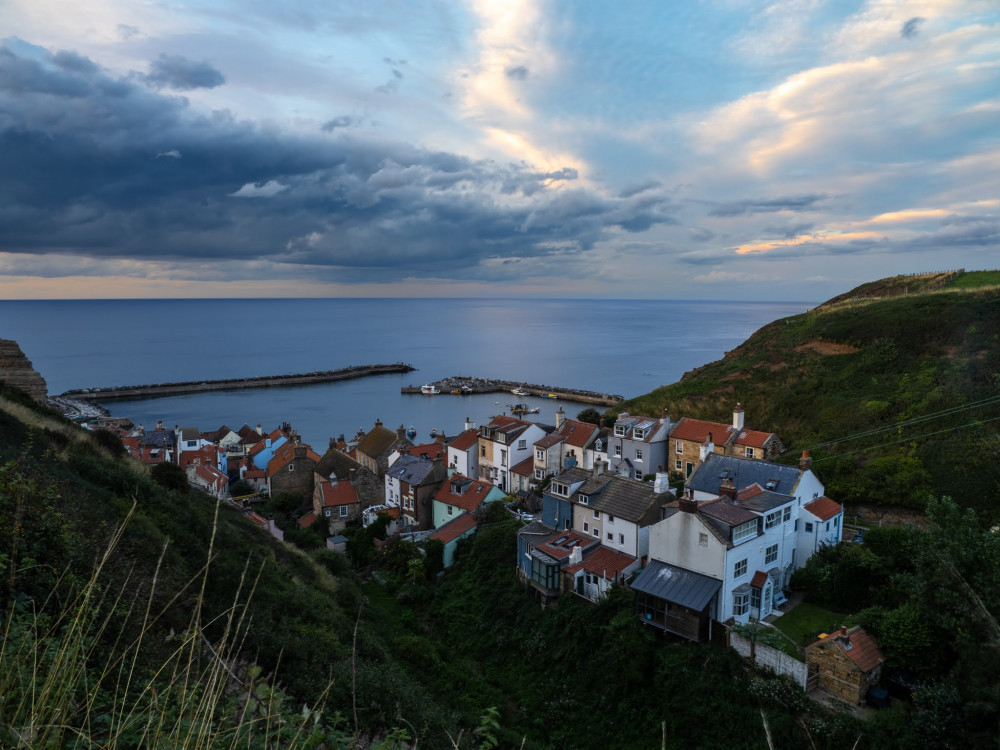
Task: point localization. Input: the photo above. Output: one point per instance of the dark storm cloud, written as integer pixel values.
(176, 72)
(105, 167)
(759, 206)
(518, 73)
(911, 27)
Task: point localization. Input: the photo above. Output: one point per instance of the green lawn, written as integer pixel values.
(974, 279)
(803, 622)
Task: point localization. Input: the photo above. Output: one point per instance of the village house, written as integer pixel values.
(503, 443)
(291, 469)
(846, 663)
(564, 447)
(692, 439)
(543, 553)
(267, 525)
(410, 485)
(209, 479)
(336, 465)
(637, 445)
(463, 451)
(450, 534)
(374, 449)
(338, 502)
(461, 494)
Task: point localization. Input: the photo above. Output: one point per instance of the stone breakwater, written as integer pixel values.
(122, 392)
(487, 385)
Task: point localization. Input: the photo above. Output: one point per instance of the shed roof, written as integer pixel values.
(677, 585)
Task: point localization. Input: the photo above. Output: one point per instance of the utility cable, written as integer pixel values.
(908, 440)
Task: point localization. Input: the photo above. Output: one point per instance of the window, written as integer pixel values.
(795, 528)
(621, 539)
(771, 554)
(539, 454)
(546, 576)
(558, 488)
(618, 451)
(503, 458)
(482, 451)
(786, 514)
(597, 532)
(740, 568)
(599, 446)
(343, 511)
(678, 465)
(451, 510)
(755, 599)
(638, 473)
(584, 500)
(836, 522)
(521, 445)
(638, 454)
(827, 525)
(809, 527)
(703, 539)
(772, 519)
(620, 430)
(748, 452)
(611, 519)
(539, 473)
(678, 447)
(291, 467)
(741, 602)
(327, 512)
(586, 526)
(639, 434)
(744, 531)
(611, 536)
(597, 514)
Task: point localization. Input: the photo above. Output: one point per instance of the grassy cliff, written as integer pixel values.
(894, 388)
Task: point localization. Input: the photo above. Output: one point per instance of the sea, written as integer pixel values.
(626, 347)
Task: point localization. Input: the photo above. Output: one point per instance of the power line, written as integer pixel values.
(909, 439)
(909, 422)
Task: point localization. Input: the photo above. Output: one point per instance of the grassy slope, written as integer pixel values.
(859, 363)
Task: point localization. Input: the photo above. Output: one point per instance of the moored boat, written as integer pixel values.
(429, 390)
(519, 391)
(549, 395)
(412, 432)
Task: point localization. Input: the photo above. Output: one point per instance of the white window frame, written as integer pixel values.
(621, 539)
(618, 451)
(741, 602)
(748, 452)
(679, 447)
(740, 568)
(786, 514)
(522, 444)
(539, 454)
(702, 539)
(620, 430)
(678, 465)
(744, 531)
(772, 519)
(597, 514)
(771, 554)
(638, 454)
(344, 510)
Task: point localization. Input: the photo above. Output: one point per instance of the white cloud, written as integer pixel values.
(260, 190)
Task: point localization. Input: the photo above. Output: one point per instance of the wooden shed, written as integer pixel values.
(845, 663)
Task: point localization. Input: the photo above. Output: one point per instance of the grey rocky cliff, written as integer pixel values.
(17, 370)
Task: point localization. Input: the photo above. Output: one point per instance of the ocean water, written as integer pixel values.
(628, 347)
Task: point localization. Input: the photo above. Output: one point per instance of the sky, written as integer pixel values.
(736, 149)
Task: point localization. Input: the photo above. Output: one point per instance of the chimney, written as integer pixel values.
(575, 556)
(598, 468)
(260, 430)
(738, 417)
(687, 504)
(843, 631)
(662, 482)
(707, 449)
(300, 450)
(401, 432)
(159, 424)
(728, 490)
(666, 415)
(142, 430)
(341, 443)
(378, 422)
(805, 462)
(452, 470)
(469, 424)
(569, 461)
(440, 438)
(560, 417)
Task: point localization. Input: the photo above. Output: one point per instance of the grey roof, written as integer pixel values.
(744, 472)
(765, 501)
(631, 500)
(677, 585)
(159, 438)
(410, 469)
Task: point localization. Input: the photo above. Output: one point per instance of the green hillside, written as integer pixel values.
(894, 388)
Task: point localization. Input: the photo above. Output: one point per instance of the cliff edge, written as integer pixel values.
(17, 370)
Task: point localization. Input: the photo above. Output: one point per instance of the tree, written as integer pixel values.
(109, 441)
(590, 415)
(170, 477)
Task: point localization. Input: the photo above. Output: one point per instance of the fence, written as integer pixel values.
(775, 660)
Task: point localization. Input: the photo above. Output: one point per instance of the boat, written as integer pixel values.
(457, 392)
(466, 390)
(519, 391)
(412, 432)
(549, 395)
(523, 409)
(429, 390)
(433, 432)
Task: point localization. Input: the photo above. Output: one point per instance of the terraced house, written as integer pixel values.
(637, 446)
(691, 440)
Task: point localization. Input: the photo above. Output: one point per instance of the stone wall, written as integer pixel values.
(775, 660)
(17, 370)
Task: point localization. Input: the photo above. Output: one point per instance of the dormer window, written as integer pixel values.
(558, 488)
(744, 531)
(599, 446)
(584, 500)
(639, 434)
(620, 430)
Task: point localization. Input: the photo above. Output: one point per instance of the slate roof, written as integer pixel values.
(677, 585)
(159, 438)
(824, 508)
(858, 646)
(410, 469)
(248, 435)
(728, 513)
(761, 501)
(605, 562)
(337, 493)
(631, 421)
(465, 441)
(190, 433)
(455, 528)
(630, 500)
(463, 492)
(716, 469)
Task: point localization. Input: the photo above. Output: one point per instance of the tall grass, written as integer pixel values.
(82, 677)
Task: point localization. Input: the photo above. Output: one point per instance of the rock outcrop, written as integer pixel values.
(17, 370)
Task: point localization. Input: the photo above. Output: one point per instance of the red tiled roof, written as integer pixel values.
(307, 520)
(858, 646)
(697, 431)
(255, 474)
(503, 420)
(549, 440)
(392, 512)
(824, 508)
(759, 579)
(454, 529)
(577, 433)
(747, 492)
(258, 520)
(604, 562)
(559, 551)
(465, 441)
(473, 496)
(337, 493)
(427, 450)
(525, 469)
(752, 438)
(210, 474)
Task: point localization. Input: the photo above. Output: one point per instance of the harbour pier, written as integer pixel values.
(470, 385)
